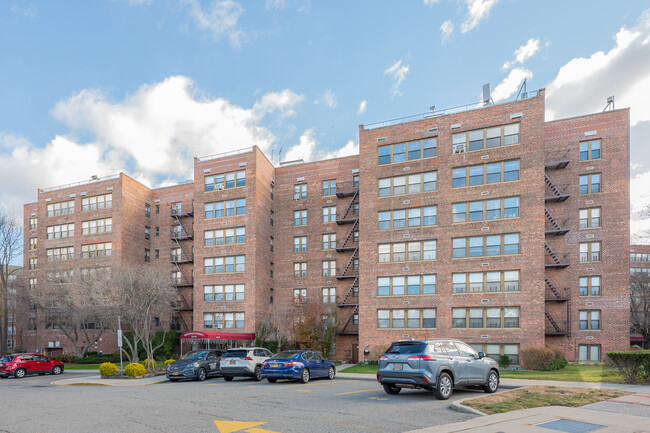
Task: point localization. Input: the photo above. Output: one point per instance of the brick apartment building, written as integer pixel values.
(490, 225)
(639, 265)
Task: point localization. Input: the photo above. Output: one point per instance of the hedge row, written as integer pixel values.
(634, 365)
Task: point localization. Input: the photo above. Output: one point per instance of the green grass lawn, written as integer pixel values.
(571, 373)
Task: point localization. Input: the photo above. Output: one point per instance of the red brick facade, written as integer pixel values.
(539, 169)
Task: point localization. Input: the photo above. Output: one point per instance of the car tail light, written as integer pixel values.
(422, 358)
(223, 357)
(383, 357)
(247, 358)
(291, 364)
(265, 365)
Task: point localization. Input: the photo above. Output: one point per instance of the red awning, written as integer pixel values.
(636, 338)
(211, 335)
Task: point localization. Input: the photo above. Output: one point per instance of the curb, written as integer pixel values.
(458, 407)
(104, 384)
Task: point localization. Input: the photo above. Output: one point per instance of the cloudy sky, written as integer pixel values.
(142, 86)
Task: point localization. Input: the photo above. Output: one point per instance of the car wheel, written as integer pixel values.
(20, 373)
(445, 387)
(227, 378)
(331, 373)
(304, 378)
(201, 375)
(257, 374)
(57, 370)
(492, 383)
(392, 389)
(271, 379)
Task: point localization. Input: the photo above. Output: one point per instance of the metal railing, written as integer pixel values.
(85, 182)
(224, 154)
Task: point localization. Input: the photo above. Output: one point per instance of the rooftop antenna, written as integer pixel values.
(610, 103)
(280, 154)
(94, 177)
(487, 97)
(522, 91)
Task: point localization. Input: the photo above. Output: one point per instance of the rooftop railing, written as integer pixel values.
(85, 182)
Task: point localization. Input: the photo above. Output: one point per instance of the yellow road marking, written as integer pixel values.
(233, 426)
(376, 398)
(259, 430)
(356, 392)
(304, 390)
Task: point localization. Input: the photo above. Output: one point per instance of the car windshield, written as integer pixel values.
(404, 348)
(6, 359)
(235, 354)
(195, 355)
(286, 355)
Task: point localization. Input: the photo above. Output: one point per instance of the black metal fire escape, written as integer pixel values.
(181, 233)
(350, 216)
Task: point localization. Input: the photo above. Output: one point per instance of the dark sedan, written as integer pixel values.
(301, 365)
(197, 365)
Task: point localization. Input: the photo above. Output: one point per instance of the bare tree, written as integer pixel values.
(315, 326)
(278, 328)
(10, 249)
(640, 305)
(68, 306)
(143, 297)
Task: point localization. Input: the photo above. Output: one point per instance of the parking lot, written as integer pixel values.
(342, 405)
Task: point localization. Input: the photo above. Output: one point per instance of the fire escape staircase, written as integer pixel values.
(349, 267)
(558, 194)
(346, 217)
(344, 301)
(343, 246)
(556, 328)
(553, 293)
(557, 263)
(349, 245)
(343, 330)
(557, 229)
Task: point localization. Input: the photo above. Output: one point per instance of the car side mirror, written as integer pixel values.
(481, 355)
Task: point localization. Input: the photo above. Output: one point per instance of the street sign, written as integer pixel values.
(119, 338)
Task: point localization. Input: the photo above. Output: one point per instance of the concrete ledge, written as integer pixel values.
(459, 407)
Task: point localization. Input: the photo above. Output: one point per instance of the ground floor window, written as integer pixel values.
(589, 352)
(496, 350)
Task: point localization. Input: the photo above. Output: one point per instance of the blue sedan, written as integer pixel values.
(299, 365)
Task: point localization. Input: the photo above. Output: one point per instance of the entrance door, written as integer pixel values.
(355, 353)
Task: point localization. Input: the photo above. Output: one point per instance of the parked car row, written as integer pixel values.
(20, 365)
(256, 362)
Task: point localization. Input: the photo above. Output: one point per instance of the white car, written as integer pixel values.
(244, 361)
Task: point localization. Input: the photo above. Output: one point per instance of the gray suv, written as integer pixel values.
(437, 365)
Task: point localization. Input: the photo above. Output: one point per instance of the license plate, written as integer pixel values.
(274, 365)
(397, 366)
(1, 364)
(233, 362)
(174, 374)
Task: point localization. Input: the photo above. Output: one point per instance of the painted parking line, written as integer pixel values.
(377, 398)
(357, 392)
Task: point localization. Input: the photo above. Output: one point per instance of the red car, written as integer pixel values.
(21, 364)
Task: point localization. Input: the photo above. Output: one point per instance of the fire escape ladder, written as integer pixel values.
(350, 233)
(350, 291)
(344, 216)
(551, 219)
(550, 252)
(354, 311)
(551, 185)
(184, 327)
(554, 323)
(557, 228)
(350, 262)
(185, 258)
(554, 290)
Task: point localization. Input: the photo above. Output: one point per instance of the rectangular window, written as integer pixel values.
(104, 201)
(590, 252)
(500, 317)
(222, 181)
(329, 268)
(590, 183)
(60, 209)
(225, 208)
(505, 171)
(147, 211)
(299, 296)
(33, 243)
(300, 191)
(412, 318)
(329, 187)
(221, 265)
(329, 241)
(407, 251)
(590, 218)
(329, 295)
(33, 223)
(589, 320)
(480, 246)
(589, 353)
(402, 218)
(300, 270)
(410, 151)
(329, 214)
(589, 150)
(60, 254)
(486, 138)
(414, 285)
(495, 351)
(97, 226)
(60, 231)
(96, 250)
(590, 286)
(220, 237)
(299, 244)
(228, 292)
(484, 282)
(300, 218)
(411, 184)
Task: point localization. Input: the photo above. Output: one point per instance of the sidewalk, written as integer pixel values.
(95, 379)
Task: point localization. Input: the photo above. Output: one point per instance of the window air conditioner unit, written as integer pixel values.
(459, 148)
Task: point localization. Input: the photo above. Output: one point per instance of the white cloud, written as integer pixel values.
(362, 107)
(447, 29)
(583, 84)
(350, 148)
(510, 84)
(398, 73)
(523, 53)
(477, 11)
(304, 149)
(640, 207)
(275, 4)
(219, 19)
(328, 98)
(27, 11)
(149, 134)
(430, 3)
